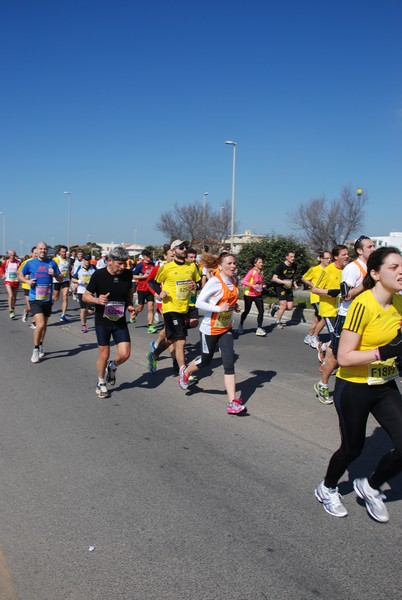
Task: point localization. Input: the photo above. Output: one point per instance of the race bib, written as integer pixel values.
(182, 291)
(42, 293)
(224, 319)
(85, 279)
(64, 273)
(12, 275)
(379, 372)
(114, 311)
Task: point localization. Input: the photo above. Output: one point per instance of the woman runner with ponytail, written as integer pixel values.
(218, 299)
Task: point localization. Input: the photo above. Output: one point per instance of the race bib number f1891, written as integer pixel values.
(380, 372)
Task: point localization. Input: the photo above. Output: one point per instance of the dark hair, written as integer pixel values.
(191, 251)
(33, 248)
(166, 247)
(291, 252)
(254, 260)
(323, 253)
(62, 246)
(359, 242)
(336, 250)
(375, 262)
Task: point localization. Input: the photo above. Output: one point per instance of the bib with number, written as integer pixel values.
(182, 291)
(114, 311)
(224, 319)
(42, 293)
(380, 372)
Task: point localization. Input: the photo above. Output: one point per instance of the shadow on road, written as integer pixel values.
(375, 447)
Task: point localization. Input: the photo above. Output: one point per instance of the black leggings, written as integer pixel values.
(248, 301)
(208, 347)
(354, 402)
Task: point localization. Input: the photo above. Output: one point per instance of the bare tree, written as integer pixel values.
(196, 223)
(323, 226)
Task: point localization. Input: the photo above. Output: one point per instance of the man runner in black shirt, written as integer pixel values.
(110, 289)
(284, 280)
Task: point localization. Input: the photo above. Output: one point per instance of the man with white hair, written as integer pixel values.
(110, 290)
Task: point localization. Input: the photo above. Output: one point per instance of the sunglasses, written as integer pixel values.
(181, 247)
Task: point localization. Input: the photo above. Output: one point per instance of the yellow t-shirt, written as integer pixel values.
(377, 327)
(313, 274)
(330, 279)
(174, 278)
(25, 286)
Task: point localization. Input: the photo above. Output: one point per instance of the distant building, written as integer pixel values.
(239, 239)
(132, 249)
(393, 239)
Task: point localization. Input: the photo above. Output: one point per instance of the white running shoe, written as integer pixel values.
(41, 351)
(314, 342)
(260, 331)
(373, 500)
(307, 339)
(35, 356)
(331, 500)
(102, 390)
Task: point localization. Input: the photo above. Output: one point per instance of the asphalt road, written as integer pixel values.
(158, 494)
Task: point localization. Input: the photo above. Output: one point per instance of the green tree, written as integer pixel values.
(273, 250)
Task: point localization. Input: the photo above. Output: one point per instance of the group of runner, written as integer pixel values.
(369, 318)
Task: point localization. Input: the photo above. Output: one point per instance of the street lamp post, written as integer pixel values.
(204, 214)
(231, 143)
(68, 194)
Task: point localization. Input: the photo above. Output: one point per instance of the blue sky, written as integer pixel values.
(128, 104)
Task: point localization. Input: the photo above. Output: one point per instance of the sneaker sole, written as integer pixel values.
(238, 412)
(102, 395)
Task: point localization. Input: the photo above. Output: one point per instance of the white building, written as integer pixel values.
(239, 239)
(393, 239)
(132, 249)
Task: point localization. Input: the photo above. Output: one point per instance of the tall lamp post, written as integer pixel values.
(3, 214)
(204, 214)
(68, 194)
(231, 143)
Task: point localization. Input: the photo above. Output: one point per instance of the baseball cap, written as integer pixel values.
(176, 243)
(146, 253)
(87, 257)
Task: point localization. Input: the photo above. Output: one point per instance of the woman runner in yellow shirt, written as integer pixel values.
(370, 341)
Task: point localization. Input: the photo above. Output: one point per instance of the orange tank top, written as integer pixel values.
(222, 321)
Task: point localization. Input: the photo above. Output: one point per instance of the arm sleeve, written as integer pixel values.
(212, 289)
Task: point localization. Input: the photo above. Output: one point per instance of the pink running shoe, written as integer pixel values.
(235, 407)
(183, 378)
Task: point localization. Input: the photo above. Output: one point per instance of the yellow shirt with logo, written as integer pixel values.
(313, 275)
(174, 277)
(377, 327)
(329, 279)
